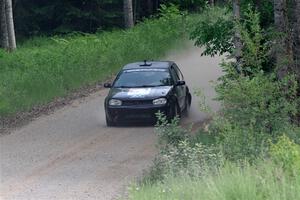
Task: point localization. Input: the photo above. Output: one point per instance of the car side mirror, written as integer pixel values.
(179, 83)
(107, 85)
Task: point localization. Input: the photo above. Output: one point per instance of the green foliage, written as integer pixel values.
(204, 137)
(181, 152)
(171, 14)
(169, 11)
(264, 181)
(265, 8)
(254, 110)
(169, 133)
(255, 105)
(236, 142)
(258, 102)
(191, 170)
(213, 30)
(286, 154)
(294, 133)
(255, 48)
(46, 68)
(192, 5)
(184, 159)
(202, 103)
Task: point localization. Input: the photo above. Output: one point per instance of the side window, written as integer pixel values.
(175, 76)
(178, 72)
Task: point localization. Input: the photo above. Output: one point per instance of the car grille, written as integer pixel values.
(137, 102)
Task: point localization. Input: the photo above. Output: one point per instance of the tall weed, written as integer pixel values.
(264, 181)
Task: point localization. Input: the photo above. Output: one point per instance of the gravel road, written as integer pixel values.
(71, 154)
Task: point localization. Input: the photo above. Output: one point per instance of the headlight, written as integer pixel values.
(115, 102)
(160, 101)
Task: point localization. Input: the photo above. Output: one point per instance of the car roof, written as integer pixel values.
(149, 64)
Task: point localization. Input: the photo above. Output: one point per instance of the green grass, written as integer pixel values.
(265, 181)
(45, 68)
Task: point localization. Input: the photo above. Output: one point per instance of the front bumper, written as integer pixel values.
(135, 113)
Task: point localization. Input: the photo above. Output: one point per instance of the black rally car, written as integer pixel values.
(142, 89)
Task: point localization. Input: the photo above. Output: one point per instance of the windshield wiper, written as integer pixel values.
(124, 87)
(139, 86)
(144, 86)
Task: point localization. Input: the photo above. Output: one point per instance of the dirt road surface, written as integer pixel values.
(71, 154)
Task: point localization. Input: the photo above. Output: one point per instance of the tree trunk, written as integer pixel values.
(283, 46)
(211, 2)
(135, 12)
(296, 36)
(128, 13)
(149, 7)
(10, 25)
(3, 26)
(156, 4)
(237, 36)
(296, 47)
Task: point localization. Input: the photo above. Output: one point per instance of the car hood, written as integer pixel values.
(139, 93)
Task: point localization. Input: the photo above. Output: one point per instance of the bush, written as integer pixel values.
(254, 110)
(184, 159)
(286, 154)
(256, 48)
(180, 152)
(169, 133)
(192, 160)
(242, 143)
(259, 103)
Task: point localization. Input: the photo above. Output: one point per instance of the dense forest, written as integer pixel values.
(41, 17)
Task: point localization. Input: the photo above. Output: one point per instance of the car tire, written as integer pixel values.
(188, 101)
(174, 111)
(110, 123)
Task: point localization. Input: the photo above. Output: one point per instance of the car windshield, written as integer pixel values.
(143, 78)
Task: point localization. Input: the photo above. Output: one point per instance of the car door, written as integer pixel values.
(180, 89)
